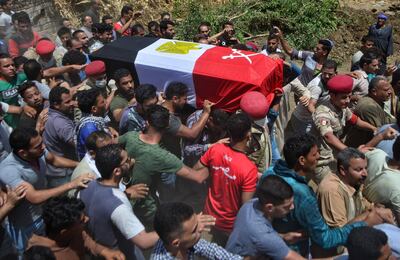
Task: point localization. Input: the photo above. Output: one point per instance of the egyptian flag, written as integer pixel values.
(221, 75)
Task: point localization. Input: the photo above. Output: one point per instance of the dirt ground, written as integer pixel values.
(357, 16)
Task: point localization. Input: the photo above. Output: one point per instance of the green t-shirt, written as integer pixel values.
(150, 161)
(9, 95)
(118, 102)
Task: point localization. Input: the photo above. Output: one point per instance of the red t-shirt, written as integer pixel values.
(231, 173)
(119, 25)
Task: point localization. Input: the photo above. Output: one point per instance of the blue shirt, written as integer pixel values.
(306, 215)
(253, 234)
(387, 145)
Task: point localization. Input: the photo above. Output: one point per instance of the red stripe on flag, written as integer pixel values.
(223, 75)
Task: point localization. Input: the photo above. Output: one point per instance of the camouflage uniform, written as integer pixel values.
(327, 118)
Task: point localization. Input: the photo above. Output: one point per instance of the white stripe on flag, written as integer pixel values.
(161, 68)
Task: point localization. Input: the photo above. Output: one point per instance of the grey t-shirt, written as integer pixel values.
(253, 234)
(13, 171)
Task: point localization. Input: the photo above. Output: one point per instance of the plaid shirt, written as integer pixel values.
(202, 248)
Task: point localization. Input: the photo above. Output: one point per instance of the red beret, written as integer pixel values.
(95, 68)
(254, 104)
(340, 84)
(45, 47)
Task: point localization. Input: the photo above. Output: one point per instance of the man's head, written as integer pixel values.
(381, 20)
(380, 89)
(27, 143)
(138, 30)
(369, 63)
(96, 140)
(6, 5)
(217, 120)
(229, 28)
(177, 225)
(167, 29)
(87, 21)
(60, 99)
(204, 28)
(367, 42)
(92, 102)
(33, 70)
(352, 167)
(323, 48)
(31, 95)
(66, 23)
(301, 152)
(329, 69)
(157, 118)
(340, 88)
(176, 93)
(7, 67)
(95, 4)
(64, 34)
(146, 96)
(113, 162)
(24, 23)
(275, 196)
(126, 12)
(154, 28)
(272, 43)
(82, 37)
(64, 217)
(368, 243)
(107, 19)
(104, 33)
(19, 63)
(165, 16)
(238, 127)
(124, 81)
(201, 38)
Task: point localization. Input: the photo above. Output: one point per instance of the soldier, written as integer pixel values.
(329, 120)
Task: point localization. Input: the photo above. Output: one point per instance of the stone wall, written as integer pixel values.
(46, 25)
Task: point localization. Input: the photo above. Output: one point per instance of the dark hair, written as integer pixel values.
(91, 140)
(164, 24)
(144, 92)
(75, 34)
(14, 17)
(158, 117)
(327, 45)
(226, 23)
(374, 83)
(121, 73)
(61, 213)
(219, 117)
(23, 17)
(4, 56)
(55, 95)
(125, 9)
(32, 69)
(152, 25)
(169, 219)
(107, 159)
(396, 148)
(39, 252)
(365, 243)
(296, 147)
(21, 137)
(63, 30)
(367, 38)
(25, 86)
(238, 125)
(136, 28)
(88, 99)
(273, 37)
(103, 27)
(367, 59)
(273, 189)
(330, 64)
(73, 57)
(344, 157)
(175, 89)
(203, 24)
(106, 17)
(199, 37)
(4, 2)
(240, 46)
(20, 60)
(164, 14)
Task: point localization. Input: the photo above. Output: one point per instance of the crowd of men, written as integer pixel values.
(93, 165)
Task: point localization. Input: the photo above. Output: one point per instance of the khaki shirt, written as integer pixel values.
(262, 148)
(328, 119)
(339, 203)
